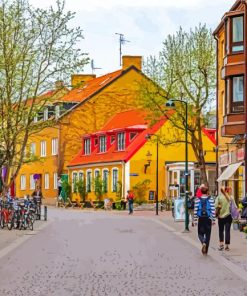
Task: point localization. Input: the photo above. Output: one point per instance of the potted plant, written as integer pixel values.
(235, 224)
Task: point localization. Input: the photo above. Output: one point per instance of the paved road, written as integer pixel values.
(95, 253)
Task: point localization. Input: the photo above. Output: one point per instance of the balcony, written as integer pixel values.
(233, 124)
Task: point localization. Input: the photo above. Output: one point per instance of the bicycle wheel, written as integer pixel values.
(29, 223)
(2, 221)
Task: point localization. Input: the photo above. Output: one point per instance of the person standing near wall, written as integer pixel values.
(130, 199)
(59, 187)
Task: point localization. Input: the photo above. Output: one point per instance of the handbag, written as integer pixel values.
(234, 210)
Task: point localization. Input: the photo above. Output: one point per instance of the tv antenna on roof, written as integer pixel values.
(93, 67)
(122, 41)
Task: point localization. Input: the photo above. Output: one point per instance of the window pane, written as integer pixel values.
(238, 89)
(237, 29)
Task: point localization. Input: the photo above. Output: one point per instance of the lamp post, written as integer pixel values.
(171, 103)
(148, 136)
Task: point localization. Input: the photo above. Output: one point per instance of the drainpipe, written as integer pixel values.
(245, 94)
(217, 116)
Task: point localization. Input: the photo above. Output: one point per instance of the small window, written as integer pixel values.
(80, 175)
(54, 146)
(237, 34)
(45, 114)
(96, 174)
(32, 182)
(102, 144)
(43, 148)
(87, 146)
(89, 181)
(132, 135)
(114, 179)
(33, 148)
(121, 141)
(105, 180)
(47, 181)
(23, 182)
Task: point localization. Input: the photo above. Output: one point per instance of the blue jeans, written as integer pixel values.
(131, 206)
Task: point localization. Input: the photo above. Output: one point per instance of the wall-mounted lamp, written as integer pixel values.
(149, 159)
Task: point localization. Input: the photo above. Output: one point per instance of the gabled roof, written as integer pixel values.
(92, 86)
(121, 120)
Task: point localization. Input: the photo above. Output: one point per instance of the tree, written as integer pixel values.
(98, 187)
(186, 70)
(37, 48)
(140, 189)
(81, 189)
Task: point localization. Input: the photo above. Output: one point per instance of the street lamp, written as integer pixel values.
(170, 104)
(148, 136)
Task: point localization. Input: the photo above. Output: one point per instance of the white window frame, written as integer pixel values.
(102, 144)
(80, 175)
(33, 148)
(112, 178)
(90, 189)
(43, 148)
(46, 114)
(54, 180)
(107, 185)
(57, 111)
(121, 141)
(23, 182)
(74, 180)
(32, 182)
(54, 146)
(87, 146)
(47, 181)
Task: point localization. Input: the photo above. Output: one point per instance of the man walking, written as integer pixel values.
(205, 213)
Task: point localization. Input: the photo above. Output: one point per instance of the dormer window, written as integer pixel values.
(132, 135)
(45, 114)
(102, 144)
(57, 111)
(121, 141)
(87, 146)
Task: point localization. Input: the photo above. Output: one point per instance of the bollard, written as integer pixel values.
(45, 213)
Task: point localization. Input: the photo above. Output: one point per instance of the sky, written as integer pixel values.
(145, 23)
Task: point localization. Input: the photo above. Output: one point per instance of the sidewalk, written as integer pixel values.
(238, 248)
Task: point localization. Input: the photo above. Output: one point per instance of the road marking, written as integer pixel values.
(238, 271)
(17, 242)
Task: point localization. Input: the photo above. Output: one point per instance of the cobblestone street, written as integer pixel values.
(106, 253)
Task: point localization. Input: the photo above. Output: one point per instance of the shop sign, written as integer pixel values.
(224, 159)
(240, 154)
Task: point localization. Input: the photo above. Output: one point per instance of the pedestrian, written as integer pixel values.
(205, 213)
(37, 195)
(191, 207)
(198, 190)
(59, 187)
(130, 199)
(222, 206)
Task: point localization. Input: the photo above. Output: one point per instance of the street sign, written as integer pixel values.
(134, 174)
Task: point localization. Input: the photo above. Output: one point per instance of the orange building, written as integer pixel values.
(232, 99)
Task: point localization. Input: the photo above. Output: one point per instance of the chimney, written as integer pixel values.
(128, 61)
(59, 84)
(78, 80)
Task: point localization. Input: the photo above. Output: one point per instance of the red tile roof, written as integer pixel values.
(91, 87)
(121, 120)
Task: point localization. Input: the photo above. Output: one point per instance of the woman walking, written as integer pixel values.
(222, 206)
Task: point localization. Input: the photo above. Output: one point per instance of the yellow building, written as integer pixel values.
(84, 109)
(122, 157)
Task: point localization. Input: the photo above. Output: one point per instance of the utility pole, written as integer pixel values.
(122, 41)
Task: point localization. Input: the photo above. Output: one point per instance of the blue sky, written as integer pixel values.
(145, 23)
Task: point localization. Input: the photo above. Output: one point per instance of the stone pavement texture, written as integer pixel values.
(87, 253)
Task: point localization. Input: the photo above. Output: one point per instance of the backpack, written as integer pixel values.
(191, 204)
(204, 208)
